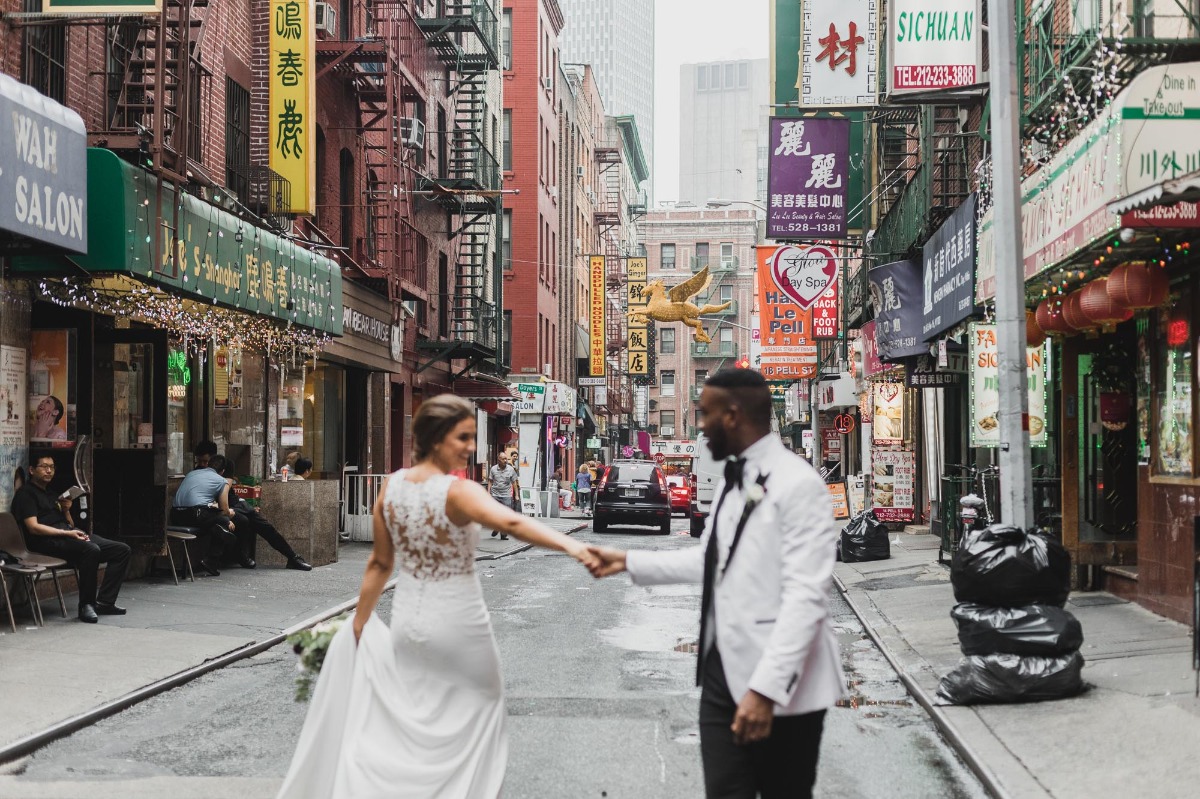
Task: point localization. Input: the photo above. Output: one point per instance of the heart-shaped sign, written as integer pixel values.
(803, 273)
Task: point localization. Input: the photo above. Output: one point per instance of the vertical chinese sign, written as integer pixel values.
(839, 53)
(985, 388)
(639, 349)
(292, 77)
(596, 321)
(808, 178)
(785, 297)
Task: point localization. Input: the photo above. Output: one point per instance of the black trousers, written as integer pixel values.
(216, 537)
(784, 766)
(248, 523)
(86, 557)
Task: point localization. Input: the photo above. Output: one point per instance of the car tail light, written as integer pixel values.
(603, 480)
(662, 481)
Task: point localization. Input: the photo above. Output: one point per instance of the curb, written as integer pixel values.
(947, 728)
(30, 744)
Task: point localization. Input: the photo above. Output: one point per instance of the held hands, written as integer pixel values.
(752, 722)
(584, 555)
(611, 561)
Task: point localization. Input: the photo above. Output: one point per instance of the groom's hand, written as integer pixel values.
(752, 722)
(612, 561)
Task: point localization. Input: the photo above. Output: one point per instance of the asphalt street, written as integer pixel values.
(600, 700)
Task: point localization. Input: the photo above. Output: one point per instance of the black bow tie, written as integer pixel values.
(734, 469)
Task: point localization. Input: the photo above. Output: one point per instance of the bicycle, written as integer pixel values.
(962, 509)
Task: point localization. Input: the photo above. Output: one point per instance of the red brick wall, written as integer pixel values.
(1165, 534)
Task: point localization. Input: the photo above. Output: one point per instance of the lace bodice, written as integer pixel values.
(428, 545)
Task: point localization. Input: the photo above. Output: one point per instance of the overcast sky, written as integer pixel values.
(689, 32)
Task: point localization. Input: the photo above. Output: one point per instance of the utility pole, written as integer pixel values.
(1016, 480)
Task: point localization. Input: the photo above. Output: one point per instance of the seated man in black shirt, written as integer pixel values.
(49, 530)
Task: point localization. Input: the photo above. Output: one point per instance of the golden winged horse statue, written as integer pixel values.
(677, 308)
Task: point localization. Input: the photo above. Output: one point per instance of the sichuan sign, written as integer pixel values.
(933, 44)
(292, 84)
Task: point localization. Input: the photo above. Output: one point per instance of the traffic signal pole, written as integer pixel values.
(1016, 479)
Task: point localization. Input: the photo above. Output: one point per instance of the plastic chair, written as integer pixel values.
(13, 542)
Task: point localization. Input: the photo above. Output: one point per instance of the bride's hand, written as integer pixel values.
(358, 629)
(588, 558)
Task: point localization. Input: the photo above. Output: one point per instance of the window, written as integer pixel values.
(726, 292)
(1173, 414)
(666, 340)
(237, 138)
(666, 382)
(666, 423)
(443, 300)
(668, 256)
(506, 352)
(506, 39)
(195, 121)
(701, 376)
(701, 78)
(506, 241)
(506, 148)
(725, 340)
(346, 197)
(46, 56)
(744, 74)
(727, 259)
(701, 255)
(730, 76)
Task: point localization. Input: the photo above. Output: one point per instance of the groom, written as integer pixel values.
(769, 664)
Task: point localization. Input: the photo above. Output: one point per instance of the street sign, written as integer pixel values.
(593, 443)
(843, 423)
(660, 458)
(531, 388)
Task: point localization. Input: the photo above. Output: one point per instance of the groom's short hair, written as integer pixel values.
(749, 391)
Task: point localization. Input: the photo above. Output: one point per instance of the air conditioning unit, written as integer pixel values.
(412, 132)
(666, 432)
(546, 84)
(652, 429)
(591, 195)
(325, 18)
(579, 172)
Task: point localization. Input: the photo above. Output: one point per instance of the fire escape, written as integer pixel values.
(464, 35)
(608, 218)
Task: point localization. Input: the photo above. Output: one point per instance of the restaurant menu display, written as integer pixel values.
(892, 478)
(985, 389)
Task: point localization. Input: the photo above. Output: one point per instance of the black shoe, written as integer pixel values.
(299, 564)
(494, 533)
(87, 613)
(503, 538)
(210, 567)
(109, 610)
(247, 563)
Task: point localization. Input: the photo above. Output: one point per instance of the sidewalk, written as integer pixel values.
(55, 673)
(1129, 735)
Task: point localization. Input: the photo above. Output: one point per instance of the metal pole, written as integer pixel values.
(1016, 482)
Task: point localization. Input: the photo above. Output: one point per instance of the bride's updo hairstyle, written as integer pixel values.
(435, 419)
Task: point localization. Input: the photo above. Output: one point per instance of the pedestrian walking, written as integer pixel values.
(769, 666)
(504, 486)
(583, 490)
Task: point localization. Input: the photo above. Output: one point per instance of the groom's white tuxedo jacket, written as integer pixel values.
(772, 623)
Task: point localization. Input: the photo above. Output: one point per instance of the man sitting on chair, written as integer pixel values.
(249, 522)
(202, 500)
(49, 530)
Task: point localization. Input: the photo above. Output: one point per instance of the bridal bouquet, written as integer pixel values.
(311, 645)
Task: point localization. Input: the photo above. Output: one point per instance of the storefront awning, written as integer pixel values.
(476, 389)
(1168, 192)
(201, 252)
(43, 171)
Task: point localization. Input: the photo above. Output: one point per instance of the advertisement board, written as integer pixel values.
(596, 320)
(887, 415)
(985, 389)
(948, 268)
(638, 347)
(895, 295)
(893, 475)
(839, 54)
(291, 88)
(789, 352)
(934, 45)
(808, 178)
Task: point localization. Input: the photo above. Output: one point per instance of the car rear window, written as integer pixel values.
(632, 473)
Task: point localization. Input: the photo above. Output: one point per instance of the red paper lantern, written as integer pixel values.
(1100, 308)
(1034, 335)
(1138, 285)
(1050, 319)
(1072, 312)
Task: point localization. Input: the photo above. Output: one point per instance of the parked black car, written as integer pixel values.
(632, 492)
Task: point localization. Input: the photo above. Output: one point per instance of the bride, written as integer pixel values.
(418, 710)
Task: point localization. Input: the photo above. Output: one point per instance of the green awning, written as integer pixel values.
(199, 254)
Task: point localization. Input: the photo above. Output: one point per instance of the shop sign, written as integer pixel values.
(985, 389)
(561, 399)
(755, 342)
(856, 491)
(934, 44)
(291, 89)
(674, 449)
(1176, 215)
(832, 441)
(893, 475)
(531, 399)
(596, 318)
(1149, 133)
(949, 272)
(826, 311)
(871, 364)
(923, 372)
(366, 326)
(593, 443)
(43, 168)
(839, 392)
(839, 54)
(585, 382)
(638, 344)
(13, 378)
(808, 178)
(895, 296)
(789, 351)
(887, 416)
(837, 495)
(101, 6)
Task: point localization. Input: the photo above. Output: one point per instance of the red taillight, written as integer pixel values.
(662, 482)
(603, 481)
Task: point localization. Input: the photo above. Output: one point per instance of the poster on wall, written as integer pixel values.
(51, 388)
(887, 422)
(227, 379)
(13, 373)
(985, 389)
(892, 478)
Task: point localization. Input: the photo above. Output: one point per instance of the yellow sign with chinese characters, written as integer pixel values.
(292, 88)
(597, 321)
(639, 347)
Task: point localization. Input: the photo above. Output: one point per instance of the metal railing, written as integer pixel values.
(359, 492)
(727, 263)
(715, 349)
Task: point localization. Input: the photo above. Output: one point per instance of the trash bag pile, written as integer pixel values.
(865, 538)
(1020, 644)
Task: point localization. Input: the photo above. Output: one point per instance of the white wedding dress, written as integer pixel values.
(418, 712)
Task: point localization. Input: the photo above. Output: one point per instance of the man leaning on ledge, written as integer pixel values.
(49, 530)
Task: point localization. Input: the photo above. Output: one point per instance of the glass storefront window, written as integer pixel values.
(311, 404)
(1173, 393)
(133, 405)
(179, 403)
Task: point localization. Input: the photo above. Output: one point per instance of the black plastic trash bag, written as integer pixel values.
(864, 538)
(1003, 566)
(1030, 630)
(981, 679)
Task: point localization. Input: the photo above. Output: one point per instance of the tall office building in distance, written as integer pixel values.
(617, 38)
(723, 108)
